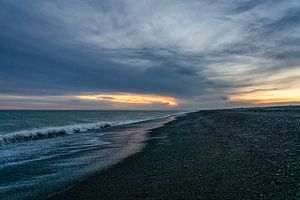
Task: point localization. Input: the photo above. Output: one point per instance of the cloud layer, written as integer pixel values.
(202, 53)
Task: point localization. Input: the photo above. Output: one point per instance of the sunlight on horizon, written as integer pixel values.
(289, 95)
(131, 98)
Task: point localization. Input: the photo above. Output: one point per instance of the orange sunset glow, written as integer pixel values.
(149, 99)
(290, 95)
(131, 98)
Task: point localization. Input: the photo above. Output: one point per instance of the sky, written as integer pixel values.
(142, 54)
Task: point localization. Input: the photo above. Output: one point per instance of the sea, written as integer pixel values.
(44, 152)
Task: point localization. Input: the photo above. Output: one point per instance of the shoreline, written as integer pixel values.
(218, 154)
(143, 127)
(47, 165)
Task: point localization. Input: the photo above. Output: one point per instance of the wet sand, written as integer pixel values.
(218, 154)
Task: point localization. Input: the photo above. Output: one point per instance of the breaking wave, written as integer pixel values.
(48, 132)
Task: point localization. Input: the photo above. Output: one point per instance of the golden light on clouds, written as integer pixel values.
(288, 95)
(280, 87)
(131, 98)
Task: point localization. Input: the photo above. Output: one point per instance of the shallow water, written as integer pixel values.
(34, 163)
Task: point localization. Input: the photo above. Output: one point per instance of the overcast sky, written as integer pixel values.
(201, 53)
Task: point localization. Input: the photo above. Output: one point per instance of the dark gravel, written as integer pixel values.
(218, 154)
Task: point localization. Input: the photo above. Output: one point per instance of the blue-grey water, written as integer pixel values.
(42, 152)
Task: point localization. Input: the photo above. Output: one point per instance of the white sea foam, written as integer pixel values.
(47, 132)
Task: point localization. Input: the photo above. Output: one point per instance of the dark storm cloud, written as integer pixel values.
(197, 51)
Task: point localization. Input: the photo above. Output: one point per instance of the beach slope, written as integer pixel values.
(217, 154)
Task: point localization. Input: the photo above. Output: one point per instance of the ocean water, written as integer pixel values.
(42, 152)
